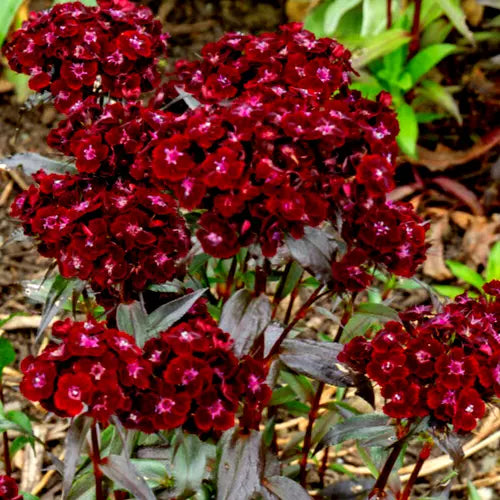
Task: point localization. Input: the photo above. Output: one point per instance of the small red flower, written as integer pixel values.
(403, 399)
(90, 153)
(9, 489)
(213, 413)
(470, 407)
(217, 237)
(191, 374)
(73, 391)
(456, 369)
(38, 380)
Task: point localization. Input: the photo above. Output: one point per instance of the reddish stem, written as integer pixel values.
(313, 413)
(381, 482)
(6, 453)
(281, 287)
(96, 460)
(323, 467)
(424, 455)
(300, 314)
(230, 278)
(389, 14)
(415, 39)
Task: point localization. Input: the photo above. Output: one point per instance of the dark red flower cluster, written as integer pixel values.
(120, 236)
(9, 489)
(291, 61)
(71, 48)
(446, 365)
(188, 377)
(197, 382)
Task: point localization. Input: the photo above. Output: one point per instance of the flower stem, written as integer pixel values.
(389, 14)
(323, 467)
(5, 437)
(313, 413)
(380, 483)
(300, 314)
(415, 40)
(96, 459)
(424, 455)
(230, 278)
(281, 287)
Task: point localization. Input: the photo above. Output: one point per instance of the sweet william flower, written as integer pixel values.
(456, 369)
(9, 489)
(470, 407)
(73, 392)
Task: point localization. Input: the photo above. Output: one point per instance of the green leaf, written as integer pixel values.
(441, 96)
(8, 9)
(88, 3)
(133, 319)
(299, 384)
(292, 279)
(282, 395)
(456, 15)
(465, 273)
(28, 496)
(472, 492)
(18, 444)
(493, 266)
(366, 315)
(7, 354)
(408, 133)
(427, 58)
(335, 12)
(315, 20)
(449, 290)
(374, 17)
(153, 471)
(436, 32)
(21, 420)
(381, 45)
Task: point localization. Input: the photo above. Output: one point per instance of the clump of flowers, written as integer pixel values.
(120, 236)
(9, 489)
(71, 49)
(187, 376)
(198, 382)
(445, 365)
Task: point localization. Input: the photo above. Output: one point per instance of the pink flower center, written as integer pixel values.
(97, 371)
(456, 367)
(422, 356)
(216, 409)
(323, 74)
(135, 42)
(40, 381)
(171, 155)
(134, 369)
(254, 383)
(189, 375)
(214, 238)
(74, 392)
(88, 342)
(78, 70)
(89, 153)
(133, 229)
(165, 405)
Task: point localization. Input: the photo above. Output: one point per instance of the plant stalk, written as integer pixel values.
(5, 437)
(96, 460)
(389, 14)
(424, 455)
(381, 482)
(323, 467)
(415, 38)
(313, 413)
(230, 278)
(300, 314)
(279, 291)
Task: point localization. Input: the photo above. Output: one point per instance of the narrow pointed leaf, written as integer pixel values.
(316, 360)
(75, 440)
(456, 15)
(427, 58)
(171, 312)
(493, 267)
(7, 354)
(334, 13)
(466, 274)
(121, 470)
(132, 318)
(286, 489)
(245, 317)
(33, 162)
(240, 466)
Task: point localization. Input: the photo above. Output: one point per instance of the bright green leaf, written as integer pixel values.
(89, 3)
(456, 15)
(7, 354)
(472, 492)
(427, 58)
(21, 420)
(493, 266)
(374, 17)
(449, 291)
(442, 97)
(381, 45)
(408, 133)
(8, 9)
(465, 273)
(334, 13)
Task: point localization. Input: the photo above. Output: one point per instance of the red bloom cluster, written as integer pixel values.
(120, 236)
(9, 489)
(197, 382)
(72, 48)
(186, 377)
(291, 61)
(445, 365)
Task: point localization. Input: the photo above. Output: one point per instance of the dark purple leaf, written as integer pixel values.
(314, 252)
(241, 465)
(33, 162)
(75, 440)
(245, 317)
(316, 360)
(350, 489)
(370, 429)
(121, 470)
(286, 489)
(132, 318)
(271, 335)
(450, 443)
